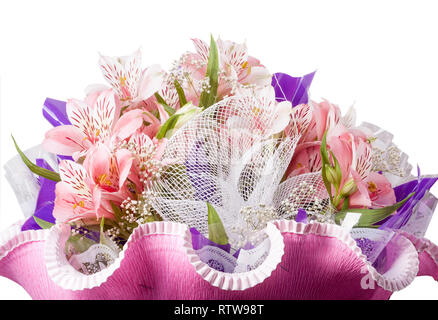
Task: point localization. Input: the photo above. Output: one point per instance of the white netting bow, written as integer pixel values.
(230, 156)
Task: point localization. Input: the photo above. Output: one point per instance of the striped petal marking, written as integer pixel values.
(123, 74)
(76, 177)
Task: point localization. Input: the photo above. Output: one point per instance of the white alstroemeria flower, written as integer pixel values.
(128, 80)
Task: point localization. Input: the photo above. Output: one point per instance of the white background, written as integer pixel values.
(382, 55)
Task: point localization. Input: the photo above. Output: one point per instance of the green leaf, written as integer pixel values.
(209, 98)
(168, 125)
(117, 211)
(216, 230)
(346, 203)
(372, 216)
(43, 223)
(171, 111)
(48, 174)
(101, 235)
(181, 95)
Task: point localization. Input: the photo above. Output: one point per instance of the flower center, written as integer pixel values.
(372, 187)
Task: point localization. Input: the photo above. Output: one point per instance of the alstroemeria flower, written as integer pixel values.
(267, 106)
(379, 191)
(91, 125)
(348, 144)
(107, 169)
(126, 77)
(77, 196)
(236, 70)
(86, 190)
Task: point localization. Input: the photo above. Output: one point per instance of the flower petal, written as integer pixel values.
(76, 176)
(282, 114)
(64, 140)
(104, 111)
(124, 164)
(128, 124)
(81, 116)
(150, 82)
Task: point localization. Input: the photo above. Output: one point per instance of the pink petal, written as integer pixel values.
(202, 49)
(97, 162)
(361, 197)
(128, 124)
(64, 140)
(124, 163)
(76, 176)
(81, 116)
(69, 206)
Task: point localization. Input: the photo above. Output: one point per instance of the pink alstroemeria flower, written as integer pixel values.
(379, 190)
(312, 121)
(107, 169)
(351, 148)
(86, 190)
(77, 196)
(236, 69)
(91, 125)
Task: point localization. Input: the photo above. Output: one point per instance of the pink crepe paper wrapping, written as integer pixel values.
(320, 261)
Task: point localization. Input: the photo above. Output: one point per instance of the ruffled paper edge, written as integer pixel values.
(62, 273)
(243, 280)
(13, 237)
(422, 245)
(67, 277)
(409, 255)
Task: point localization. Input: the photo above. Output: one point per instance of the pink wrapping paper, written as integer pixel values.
(319, 262)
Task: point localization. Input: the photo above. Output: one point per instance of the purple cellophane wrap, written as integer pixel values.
(55, 112)
(199, 241)
(293, 89)
(420, 186)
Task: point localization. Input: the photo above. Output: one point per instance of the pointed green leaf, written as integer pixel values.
(48, 174)
(101, 235)
(209, 97)
(216, 230)
(346, 203)
(168, 125)
(116, 210)
(372, 216)
(171, 111)
(43, 223)
(181, 94)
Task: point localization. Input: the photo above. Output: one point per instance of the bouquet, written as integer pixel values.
(215, 179)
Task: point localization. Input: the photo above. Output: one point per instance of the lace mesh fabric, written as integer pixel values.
(306, 191)
(229, 157)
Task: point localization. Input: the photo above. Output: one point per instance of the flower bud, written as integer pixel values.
(185, 114)
(331, 175)
(349, 188)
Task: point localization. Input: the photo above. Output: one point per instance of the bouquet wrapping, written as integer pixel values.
(214, 180)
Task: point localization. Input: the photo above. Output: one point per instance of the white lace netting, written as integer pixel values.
(228, 156)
